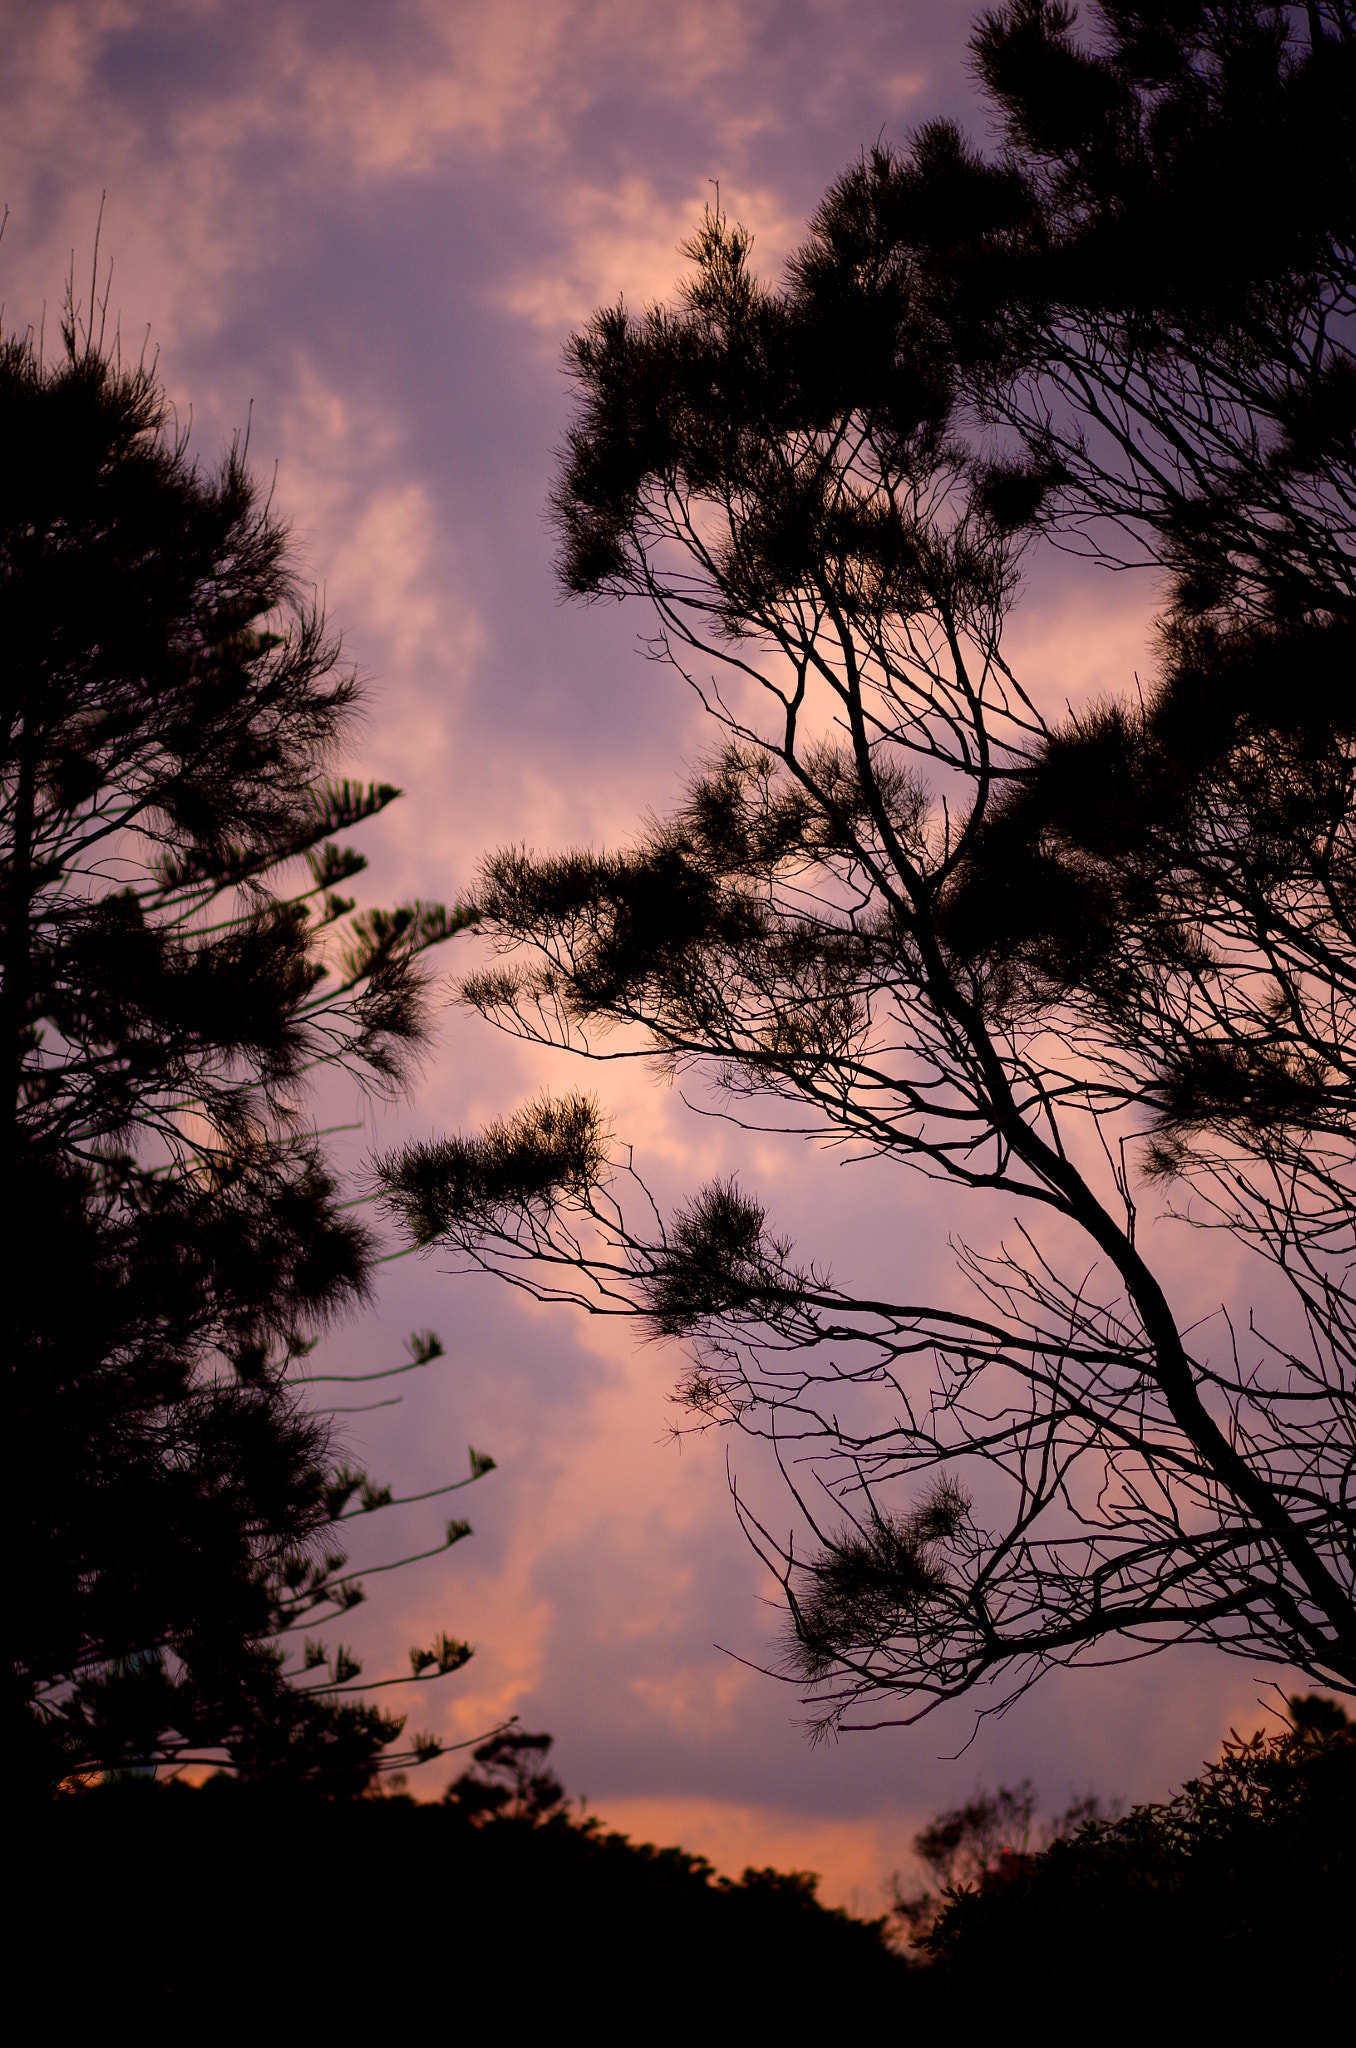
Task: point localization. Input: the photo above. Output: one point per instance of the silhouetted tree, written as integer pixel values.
(508, 1780)
(175, 1237)
(1236, 1892)
(1065, 966)
(506, 1919)
(986, 1842)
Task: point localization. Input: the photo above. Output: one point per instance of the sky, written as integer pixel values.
(363, 233)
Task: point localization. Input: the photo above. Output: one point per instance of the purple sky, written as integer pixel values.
(367, 230)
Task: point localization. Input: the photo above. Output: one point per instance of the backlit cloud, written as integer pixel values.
(366, 231)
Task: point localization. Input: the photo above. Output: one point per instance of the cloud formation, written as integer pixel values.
(365, 231)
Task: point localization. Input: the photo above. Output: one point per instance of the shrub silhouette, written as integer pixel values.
(1236, 1892)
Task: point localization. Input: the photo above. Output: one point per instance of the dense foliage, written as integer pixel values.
(1240, 1889)
(433, 1909)
(510, 1906)
(176, 1237)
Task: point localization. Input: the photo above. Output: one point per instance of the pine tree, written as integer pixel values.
(179, 960)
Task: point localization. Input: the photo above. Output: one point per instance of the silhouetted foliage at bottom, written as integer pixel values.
(238, 1902)
(234, 1903)
(1237, 1895)
(982, 1846)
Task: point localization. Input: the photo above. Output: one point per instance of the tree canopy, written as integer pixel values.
(1083, 964)
(519, 1918)
(176, 1236)
(1217, 1893)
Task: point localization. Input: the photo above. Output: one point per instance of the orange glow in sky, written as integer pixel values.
(367, 230)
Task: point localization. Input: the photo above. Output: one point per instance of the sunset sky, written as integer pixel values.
(365, 231)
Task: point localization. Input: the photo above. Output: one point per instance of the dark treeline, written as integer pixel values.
(501, 1901)
(1082, 965)
(496, 1902)
(1229, 1892)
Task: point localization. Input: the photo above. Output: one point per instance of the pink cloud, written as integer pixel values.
(376, 225)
